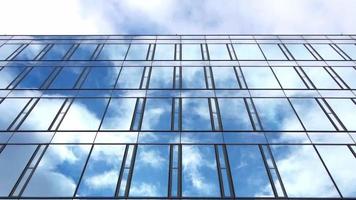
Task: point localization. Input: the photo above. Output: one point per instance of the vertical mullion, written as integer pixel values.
(121, 172)
(221, 184)
(327, 170)
(267, 168)
(83, 170)
(132, 165)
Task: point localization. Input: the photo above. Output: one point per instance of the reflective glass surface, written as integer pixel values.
(178, 117)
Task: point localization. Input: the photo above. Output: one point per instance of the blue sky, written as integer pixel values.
(176, 16)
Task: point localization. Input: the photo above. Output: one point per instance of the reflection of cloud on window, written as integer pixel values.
(302, 173)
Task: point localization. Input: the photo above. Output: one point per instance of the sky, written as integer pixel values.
(176, 16)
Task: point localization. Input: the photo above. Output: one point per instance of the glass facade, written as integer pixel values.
(178, 116)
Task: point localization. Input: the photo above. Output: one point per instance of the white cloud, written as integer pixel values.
(144, 189)
(103, 180)
(152, 158)
(176, 16)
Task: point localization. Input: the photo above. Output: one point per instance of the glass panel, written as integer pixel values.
(84, 114)
(84, 52)
(276, 114)
(130, 77)
(253, 77)
(30, 52)
(101, 77)
(58, 172)
(199, 178)
(348, 75)
(152, 160)
(345, 109)
(273, 52)
(191, 52)
(113, 52)
(218, 52)
(234, 114)
(196, 114)
(8, 74)
(164, 52)
(302, 172)
(327, 52)
(35, 78)
(13, 160)
(9, 109)
(225, 77)
(300, 52)
(119, 114)
(288, 77)
(193, 77)
(248, 52)
(66, 78)
(248, 172)
(102, 171)
(161, 77)
(42, 115)
(321, 78)
(7, 49)
(57, 52)
(341, 164)
(137, 52)
(349, 49)
(311, 115)
(157, 115)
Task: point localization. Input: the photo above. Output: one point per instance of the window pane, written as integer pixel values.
(234, 114)
(137, 52)
(345, 110)
(248, 172)
(193, 77)
(35, 78)
(161, 77)
(327, 52)
(312, 116)
(157, 115)
(84, 52)
(196, 114)
(30, 52)
(320, 77)
(152, 160)
(8, 74)
(191, 52)
(7, 49)
(164, 52)
(348, 75)
(119, 114)
(66, 78)
(101, 77)
(300, 52)
(84, 114)
(225, 77)
(253, 77)
(288, 78)
(113, 52)
(13, 160)
(349, 49)
(102, 171)
(302, 172)
(199, 178)
(273, 52)
(58, 172)
(248, 52)
(218, 52)
(42, 115)
(341, 164)
(276, 114)
(57, 52)
(130, 77)
(9, 109)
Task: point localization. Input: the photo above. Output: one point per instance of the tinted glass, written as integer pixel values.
(57, 52)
